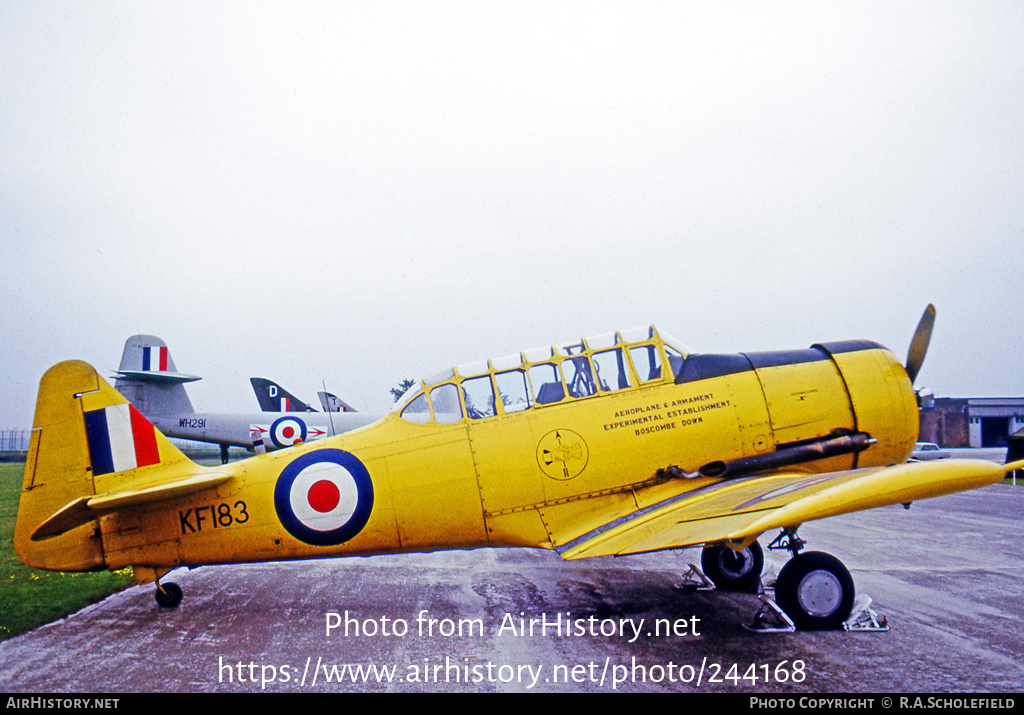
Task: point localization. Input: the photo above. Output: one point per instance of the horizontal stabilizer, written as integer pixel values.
(87, 508)
(160, 377)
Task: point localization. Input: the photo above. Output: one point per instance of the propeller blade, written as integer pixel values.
(919, 345)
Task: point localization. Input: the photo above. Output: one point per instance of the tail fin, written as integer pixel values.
(274, 398)
(333, 403)
(148, 379)
(91, 453)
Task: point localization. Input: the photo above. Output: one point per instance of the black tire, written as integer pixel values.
(732, 570)
(816, 591)
(168, 595)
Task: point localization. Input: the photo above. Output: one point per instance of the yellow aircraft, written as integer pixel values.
(620, 444)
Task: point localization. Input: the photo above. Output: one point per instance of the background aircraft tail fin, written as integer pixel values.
(333, 403)
(87, 441)
(149, 380)
(274, 398)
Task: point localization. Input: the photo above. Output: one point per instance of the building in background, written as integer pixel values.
(972, 422)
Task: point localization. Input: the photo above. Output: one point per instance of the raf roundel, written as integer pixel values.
(324, 498)
(287, 432)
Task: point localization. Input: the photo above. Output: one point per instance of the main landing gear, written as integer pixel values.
(814, 590)
(733, 570)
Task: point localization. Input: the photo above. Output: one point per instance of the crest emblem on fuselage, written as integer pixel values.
(562, 454)
(324, 497)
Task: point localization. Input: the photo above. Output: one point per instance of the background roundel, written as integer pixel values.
(324, 497)
(287, 431)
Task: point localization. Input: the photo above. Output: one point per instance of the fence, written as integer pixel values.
(14, 440)
(17, 440)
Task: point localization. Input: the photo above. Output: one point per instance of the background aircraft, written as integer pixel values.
(614, 445)
(274, 398)
(332, 403)
(149, 380)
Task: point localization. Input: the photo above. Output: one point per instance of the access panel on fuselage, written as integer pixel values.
(434, 488)
(805, 394)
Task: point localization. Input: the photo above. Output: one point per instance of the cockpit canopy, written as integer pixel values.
(545, 376)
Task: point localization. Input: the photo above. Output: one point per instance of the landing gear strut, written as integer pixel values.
(814, 589)
(168, 595)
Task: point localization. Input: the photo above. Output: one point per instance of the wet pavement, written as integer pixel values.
(948, 575)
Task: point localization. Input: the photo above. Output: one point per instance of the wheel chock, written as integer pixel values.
(863, 619)
(770, 618)
(694, 580)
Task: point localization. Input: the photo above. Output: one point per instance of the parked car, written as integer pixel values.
(927, 450)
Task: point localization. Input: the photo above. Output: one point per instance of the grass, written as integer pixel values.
(30, 597)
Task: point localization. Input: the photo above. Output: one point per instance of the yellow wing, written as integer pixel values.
(741, 509)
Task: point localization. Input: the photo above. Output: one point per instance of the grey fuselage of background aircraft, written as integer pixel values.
(148, 379)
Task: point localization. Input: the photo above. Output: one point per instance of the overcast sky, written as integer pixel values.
(353, 193)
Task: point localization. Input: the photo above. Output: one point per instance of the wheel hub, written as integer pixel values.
(820, 593)
(735, 564)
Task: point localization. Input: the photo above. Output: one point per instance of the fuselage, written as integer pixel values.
(275, 430)
(531, 450)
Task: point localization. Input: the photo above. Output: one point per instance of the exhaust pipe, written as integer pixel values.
(783, 456)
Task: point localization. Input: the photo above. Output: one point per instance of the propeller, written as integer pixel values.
(919, 345)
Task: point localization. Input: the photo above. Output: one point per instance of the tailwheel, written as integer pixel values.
(733, 570)
(168, 595)
(815, 590)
